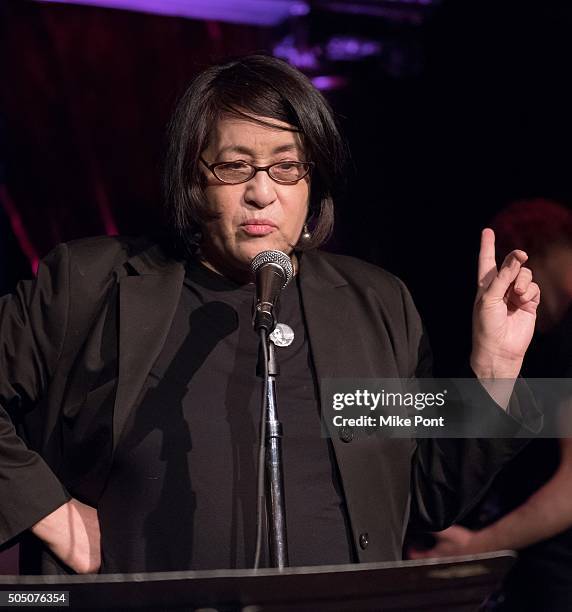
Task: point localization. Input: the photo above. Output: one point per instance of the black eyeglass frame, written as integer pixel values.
(213, 167)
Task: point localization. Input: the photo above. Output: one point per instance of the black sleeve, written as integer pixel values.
(450, 475)
(33, 325)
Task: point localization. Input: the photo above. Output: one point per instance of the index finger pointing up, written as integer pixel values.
(487, 260)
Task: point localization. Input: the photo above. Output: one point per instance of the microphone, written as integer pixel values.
(272, 271)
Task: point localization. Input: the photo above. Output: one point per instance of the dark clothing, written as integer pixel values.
(185, 469)
(80, 341)
(550, 353)
(542, 576)
(541, 579)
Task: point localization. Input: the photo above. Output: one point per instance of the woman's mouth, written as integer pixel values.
(261, 227)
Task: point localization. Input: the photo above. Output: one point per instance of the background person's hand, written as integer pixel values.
(72, 533)
(504, 312)
(456, 541)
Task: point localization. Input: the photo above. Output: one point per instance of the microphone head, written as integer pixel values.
(276, 258)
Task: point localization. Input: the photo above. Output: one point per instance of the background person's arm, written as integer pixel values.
(543, 515)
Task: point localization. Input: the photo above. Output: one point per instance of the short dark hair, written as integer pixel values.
(262, 86)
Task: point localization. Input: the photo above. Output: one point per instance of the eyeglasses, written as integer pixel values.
(236, 172)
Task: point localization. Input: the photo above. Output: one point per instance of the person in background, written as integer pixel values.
(529, 508)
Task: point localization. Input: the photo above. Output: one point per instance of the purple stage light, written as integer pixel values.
(346, 48)
(299, 9)
(254, 12)
(412, 12)
(303, 58)
(329, 83)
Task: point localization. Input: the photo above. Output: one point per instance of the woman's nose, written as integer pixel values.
(260, 190)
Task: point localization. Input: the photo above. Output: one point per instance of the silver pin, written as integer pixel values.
(283, 335)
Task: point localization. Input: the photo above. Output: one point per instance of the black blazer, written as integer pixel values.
(107, 303)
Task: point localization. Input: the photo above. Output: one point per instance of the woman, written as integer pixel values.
(129, 368)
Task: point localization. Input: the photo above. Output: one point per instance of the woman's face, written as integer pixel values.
(257, 215)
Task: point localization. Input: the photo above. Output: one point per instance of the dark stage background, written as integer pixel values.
(452, 110)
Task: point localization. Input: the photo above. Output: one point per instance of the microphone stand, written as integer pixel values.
(273, 470)
(272, 270)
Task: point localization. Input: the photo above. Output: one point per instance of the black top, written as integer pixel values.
(184, 474)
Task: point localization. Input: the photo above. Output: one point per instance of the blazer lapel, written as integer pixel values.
(325, 314)
(147, 304)
(348, 336)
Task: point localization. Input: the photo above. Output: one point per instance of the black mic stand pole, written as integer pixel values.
(274, 475)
